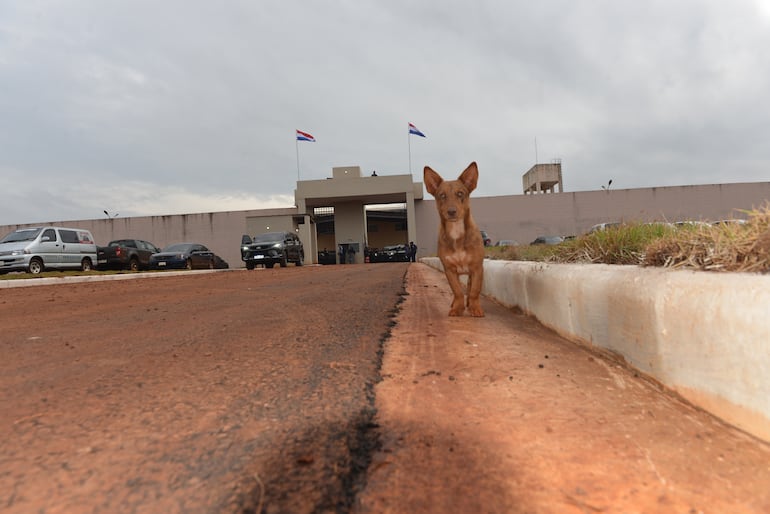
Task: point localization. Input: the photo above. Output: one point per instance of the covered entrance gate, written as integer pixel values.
(347, 194)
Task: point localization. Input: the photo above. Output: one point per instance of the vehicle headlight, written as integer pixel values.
(18, 252)
(244, 248)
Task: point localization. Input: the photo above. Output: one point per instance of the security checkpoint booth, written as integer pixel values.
(345, 197)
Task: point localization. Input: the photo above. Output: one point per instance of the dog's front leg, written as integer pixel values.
(458, 303)
(475, 282)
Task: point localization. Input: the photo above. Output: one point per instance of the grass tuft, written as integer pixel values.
(726, 247)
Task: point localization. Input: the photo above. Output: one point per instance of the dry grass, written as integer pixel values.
(724, 247)
(728, 247)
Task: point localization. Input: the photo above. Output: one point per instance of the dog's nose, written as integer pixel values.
(452, 212)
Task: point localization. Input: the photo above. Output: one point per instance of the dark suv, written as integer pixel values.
(271, 248)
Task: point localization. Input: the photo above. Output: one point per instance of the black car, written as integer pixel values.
(327, 257)
(186, 256)
(393, 253)
(547, 240)
(272, 248)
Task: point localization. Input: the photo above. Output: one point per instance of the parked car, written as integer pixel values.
(272, 248)
(603, 226)
(547, 240)
(392, 253)
(35, 249)
(506, 242)
(485, 237)
(327, 257)
(131, 254)
(691, 224)
(220, 263)
(186, 256)
(736, 221)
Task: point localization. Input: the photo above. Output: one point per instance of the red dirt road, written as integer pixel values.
(256, 391)
(207, 392)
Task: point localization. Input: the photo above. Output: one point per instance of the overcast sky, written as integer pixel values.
(163, 107)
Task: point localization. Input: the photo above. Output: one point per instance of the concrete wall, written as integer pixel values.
(261, 224)
(704, 335)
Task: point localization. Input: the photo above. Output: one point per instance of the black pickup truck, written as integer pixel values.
(130, 254)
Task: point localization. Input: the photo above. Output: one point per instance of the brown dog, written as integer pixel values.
(460, 247)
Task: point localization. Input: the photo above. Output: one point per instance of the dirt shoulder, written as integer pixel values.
(498, 414)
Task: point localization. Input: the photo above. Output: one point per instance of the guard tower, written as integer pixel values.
(543, 178)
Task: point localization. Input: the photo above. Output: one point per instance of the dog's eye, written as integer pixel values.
(460, 195)
(442, 196)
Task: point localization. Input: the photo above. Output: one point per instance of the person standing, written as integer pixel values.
(412, 251)
(341, 252)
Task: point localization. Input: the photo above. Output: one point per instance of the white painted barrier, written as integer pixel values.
(704, 335)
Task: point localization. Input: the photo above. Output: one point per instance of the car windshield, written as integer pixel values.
(27, 234)
(178, 248)
(270, 237)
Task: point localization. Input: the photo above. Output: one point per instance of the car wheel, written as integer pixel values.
(133, 265)
(86, 265)
(300, 260)
(284, 261)
(269, 264)
(36, 266)
(249, 265)
(188, 265)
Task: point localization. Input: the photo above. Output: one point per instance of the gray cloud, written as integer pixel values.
(183, 106)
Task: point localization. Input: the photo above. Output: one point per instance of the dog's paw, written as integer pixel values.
(478, 313)
(458, 306)
(474, 306)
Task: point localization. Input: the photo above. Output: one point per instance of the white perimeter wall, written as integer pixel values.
(518, 217)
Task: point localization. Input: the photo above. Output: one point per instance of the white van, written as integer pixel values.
(35, 249)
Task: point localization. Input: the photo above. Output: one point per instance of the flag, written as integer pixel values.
(414, 130)
(304, 136)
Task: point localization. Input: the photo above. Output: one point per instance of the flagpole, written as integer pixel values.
(409, 144)
(296, 144)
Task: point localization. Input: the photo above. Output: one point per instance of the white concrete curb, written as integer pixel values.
(47, 281)
(704, 335)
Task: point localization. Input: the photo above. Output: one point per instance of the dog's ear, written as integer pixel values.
(432, 180)
(470, 176)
